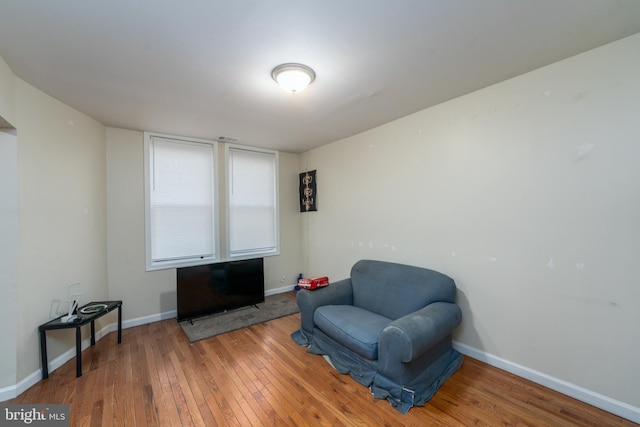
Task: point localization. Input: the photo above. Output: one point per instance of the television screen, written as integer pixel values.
(213, 288)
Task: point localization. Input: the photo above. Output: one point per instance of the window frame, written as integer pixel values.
(247, 254)
(151, 264)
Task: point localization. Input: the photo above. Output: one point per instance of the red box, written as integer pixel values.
(314, 282)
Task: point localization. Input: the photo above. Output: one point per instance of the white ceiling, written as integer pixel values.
(201, 68)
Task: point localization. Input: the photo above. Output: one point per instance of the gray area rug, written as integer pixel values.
(274, 306)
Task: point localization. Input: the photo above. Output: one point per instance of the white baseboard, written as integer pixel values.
(279, 290)
(144, 320)
(590, 397)
(11, 392)
(173, 313)
(31, 379)
(584, 395)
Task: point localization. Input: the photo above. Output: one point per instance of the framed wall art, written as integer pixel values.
(308, 191)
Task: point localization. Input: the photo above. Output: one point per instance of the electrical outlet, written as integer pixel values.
(283, 279)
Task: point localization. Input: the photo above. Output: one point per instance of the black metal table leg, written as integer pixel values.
(43, 354)
(93, 333)
(119, 323)
(78, 353)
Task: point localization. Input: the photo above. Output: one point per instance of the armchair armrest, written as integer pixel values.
(337, 293)
(410, 336)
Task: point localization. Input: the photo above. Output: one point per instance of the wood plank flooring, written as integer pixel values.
(259, 377)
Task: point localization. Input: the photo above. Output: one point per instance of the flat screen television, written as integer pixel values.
(213, 288)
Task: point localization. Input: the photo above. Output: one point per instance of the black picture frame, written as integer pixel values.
(308, 192)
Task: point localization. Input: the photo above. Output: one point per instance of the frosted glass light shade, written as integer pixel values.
(293, 78)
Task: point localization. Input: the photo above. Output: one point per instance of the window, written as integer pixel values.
(182, 216)
(252, 202)
(181, 209)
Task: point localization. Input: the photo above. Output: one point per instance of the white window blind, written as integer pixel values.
(252, 196)
(181, 202)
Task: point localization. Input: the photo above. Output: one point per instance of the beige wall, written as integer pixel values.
(8, 255)
(8, 228)
(62, 208)
(527, 194)
(283, 270)
(148, 294)
(143, 294)
(54, 193)
(7, 95)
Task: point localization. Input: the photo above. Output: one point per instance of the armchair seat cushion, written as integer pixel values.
(353, 327)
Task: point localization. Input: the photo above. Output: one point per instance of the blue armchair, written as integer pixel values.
(389, 326)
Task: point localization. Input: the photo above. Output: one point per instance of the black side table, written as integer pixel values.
(82, 320)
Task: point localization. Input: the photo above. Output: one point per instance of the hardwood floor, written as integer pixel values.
(259, 377)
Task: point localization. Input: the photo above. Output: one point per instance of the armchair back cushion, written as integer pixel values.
(395, 290)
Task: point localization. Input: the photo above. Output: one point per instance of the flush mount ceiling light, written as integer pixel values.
(293, 78)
